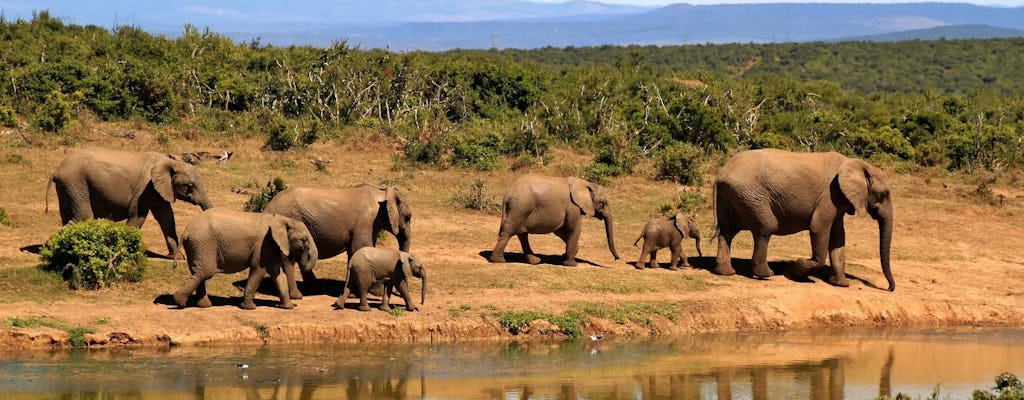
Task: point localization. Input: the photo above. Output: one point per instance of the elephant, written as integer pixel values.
(226, 241)
(774, 192)
(667, 232)
(122, 185)
(344, 219)
(372, 265)
(538, 204)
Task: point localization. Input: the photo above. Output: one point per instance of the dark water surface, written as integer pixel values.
(852, 364)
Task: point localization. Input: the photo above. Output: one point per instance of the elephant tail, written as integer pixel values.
(49, 184)
(638, 239)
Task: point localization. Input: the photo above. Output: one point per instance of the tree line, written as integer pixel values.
(945, 103)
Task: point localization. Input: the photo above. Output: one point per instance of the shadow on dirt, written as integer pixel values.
(520, 258)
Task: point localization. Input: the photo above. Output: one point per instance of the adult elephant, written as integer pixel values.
(774, 192)
(344, 219)
(537, 204)
(123, 185)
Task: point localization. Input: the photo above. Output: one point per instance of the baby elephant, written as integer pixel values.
(226, 241)
(661, 233)
(394, 268)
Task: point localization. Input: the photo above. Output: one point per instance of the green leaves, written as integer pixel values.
(95, 253)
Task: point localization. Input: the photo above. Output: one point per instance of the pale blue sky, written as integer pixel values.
(1013, 3)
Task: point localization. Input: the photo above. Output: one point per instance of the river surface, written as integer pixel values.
(851, 364)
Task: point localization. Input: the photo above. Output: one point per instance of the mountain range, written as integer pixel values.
(434, 25)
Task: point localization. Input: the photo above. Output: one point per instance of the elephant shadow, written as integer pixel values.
(787, 268)
(217, 301)
(520, 258)
(326, 287)
(32, 248)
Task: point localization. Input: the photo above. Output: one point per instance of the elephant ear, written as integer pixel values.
(581, 195)
(279, 231)
(853, 181)
(394, 206)
(680, 224)
(406, 264)
(162, 176)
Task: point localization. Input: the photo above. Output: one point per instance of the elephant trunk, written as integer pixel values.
(885, 224)
(423, 290)
(404, 237)
(611, 237)
(696, 240)
(205, 203)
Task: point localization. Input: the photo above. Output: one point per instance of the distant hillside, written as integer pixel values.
(950, 32)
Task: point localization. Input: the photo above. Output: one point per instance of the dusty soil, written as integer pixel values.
(956, 259)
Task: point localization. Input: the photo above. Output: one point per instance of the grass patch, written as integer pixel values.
(101, 320)
(4, 219)
(514, 321)
(396, 311)
(456, 312)
(31, 284)
(76, 334)
(635, 312)
(261, 329)
(572, 321)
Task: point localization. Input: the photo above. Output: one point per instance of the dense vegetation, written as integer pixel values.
(953, 104)
(95, 254)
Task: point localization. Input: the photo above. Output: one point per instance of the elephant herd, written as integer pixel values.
(767, 192)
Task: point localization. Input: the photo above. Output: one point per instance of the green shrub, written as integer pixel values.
(601, 173)
(1008, 387)
(4, 219)
(515, 321)
(475, 198)
(429, 152)
(680, 162)
(259, 200)
(478, 152)
(279, 136)
(95, 253)
(8, 118)
(885, 140)
(55, 112)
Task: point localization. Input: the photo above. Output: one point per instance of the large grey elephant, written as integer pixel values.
(371, 265)
(227, 241)
(344, 219)
(774, 192)
(537, 204)
(660, 233)
(122, 185)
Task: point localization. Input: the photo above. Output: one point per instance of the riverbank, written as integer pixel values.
(956, 260)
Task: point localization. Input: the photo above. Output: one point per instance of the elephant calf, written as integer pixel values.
(227, 241)
(370, 265)
(661, 233)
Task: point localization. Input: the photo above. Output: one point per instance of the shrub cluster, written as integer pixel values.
(95, 253)
(259, 200)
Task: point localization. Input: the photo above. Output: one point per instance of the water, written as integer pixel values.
(858, 364)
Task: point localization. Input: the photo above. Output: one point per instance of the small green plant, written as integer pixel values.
(475, 198)
(261, 329)
(15, 158)
(456, 312)
(1008, 387)
(76, 335)
(101, 320)
(259, 200)
(8, 118)
(95, 253)
(396, 311)
(515, 321)
(320, 165)
(4, 219)
(30, 322)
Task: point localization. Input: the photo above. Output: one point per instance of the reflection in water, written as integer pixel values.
(857, 365)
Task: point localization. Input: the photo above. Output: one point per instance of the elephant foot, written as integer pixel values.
(569, 262)
(339, 303)
(686, 266)
(803, 267)
(839, 281)
(532, 259)
(673, 268)
(411, 308)
(247, 305)
(180, 299)
(175, 255)
(762, 271)
(204, 302)
(639, 266)
(296, 295)
(287, 306)
(725, 270)
(364, 307)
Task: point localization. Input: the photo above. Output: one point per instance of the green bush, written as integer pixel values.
(95, 253)
(7, 118)
(258, 201)
(279, 136)
(55, 112)
(4, 219)
(478, 152)
(601, 173)
(680, 162)
(884, 140)
(429, 152)
(1008, 387)
(475, 198)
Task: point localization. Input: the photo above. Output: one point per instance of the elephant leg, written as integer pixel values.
(723, 262)
(164, 216)
(403, 290)
(385, 300)
(281, 281)
(204, 298)
(674, 260)
(364, 304)
(191, 285)
(73, 203)
(643, 257)
(760, 257)
(819, 251)
(524, 241)
(511, 223)
(311, 281)
(340, 302)
(289, 274)
(837, 254)
(653, 261)
(256, 275)
(572, 245)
